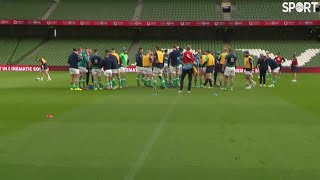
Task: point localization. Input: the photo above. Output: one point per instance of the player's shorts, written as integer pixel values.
(83, 70)
(276, 70)
(115, 71)
(230, 71)
(108, 72)
(96, 72)
(248, 73)
(157, 71)
(218, 68)
(45, 67)
(294, 69)
(209, 69)
(122, 69)
(165, 68)
(139, 69)
(147, 70)
(74, 71)
(204, 70)
(173, 69)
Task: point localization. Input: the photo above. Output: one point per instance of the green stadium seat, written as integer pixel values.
(56, 51)
(22, 9)
(95, 9)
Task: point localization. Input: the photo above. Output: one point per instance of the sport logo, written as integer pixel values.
(300, 7)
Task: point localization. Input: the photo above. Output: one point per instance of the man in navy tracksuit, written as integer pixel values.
(174, 65)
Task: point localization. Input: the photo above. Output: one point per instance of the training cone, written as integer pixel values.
(49, 116)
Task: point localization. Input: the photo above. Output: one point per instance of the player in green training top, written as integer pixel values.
(229, 69)
(95, 63)
(124, 61)
(82, 67)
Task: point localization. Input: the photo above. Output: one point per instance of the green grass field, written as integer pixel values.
(258, 134)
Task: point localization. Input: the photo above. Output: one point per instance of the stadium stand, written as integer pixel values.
(267, 10)
(24, 47)
(213, 46)
(57, 51)
(181, 10)
(20, 9)
(307, 50)
(8, 46)
(95, 9)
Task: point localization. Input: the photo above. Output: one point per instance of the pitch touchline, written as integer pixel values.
(153, 138)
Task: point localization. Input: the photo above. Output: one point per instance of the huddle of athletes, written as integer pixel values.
(170, 68)
(112, 67)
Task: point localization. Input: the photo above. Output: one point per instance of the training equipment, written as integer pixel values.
(38, 79)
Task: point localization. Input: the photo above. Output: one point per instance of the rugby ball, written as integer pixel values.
(38, 79)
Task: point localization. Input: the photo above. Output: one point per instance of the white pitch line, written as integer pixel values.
(148, 147)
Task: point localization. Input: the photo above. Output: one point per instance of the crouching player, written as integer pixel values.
(44, 69)
(73, 61)
(209, 64)
(248, 65)
(274, 70)
(107, 65)
(95, 63)
(158, 67)
(147, 61)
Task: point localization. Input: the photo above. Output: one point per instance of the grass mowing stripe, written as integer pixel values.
(148, 147)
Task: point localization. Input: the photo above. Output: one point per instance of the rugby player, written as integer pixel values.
(166, 72)
(197, 59)
(44, 69)
(139, 66)
(124, 61)
(219, 69)
(116, 71)
(95, 64)
(73, 61)
(263, 68)
(82, 67)
(174, 65)
(209, 64)
(107, 64)
(248, 66)
(187, 61)
(294, 65)
(202, 70)
(89, 73)
(279, 59)
(147, 61)
(158, 67)
(274, 70)
(229, 68)
(215, 74)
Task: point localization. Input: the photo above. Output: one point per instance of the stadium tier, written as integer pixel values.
(24, 47)
(8, 46)
(181, 10)
(57, 51)
(167, 44)
(267, 10)
(306, 51)
(21, 9)
(95, 9)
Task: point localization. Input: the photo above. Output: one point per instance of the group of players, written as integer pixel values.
(170, 68)
(112, 66)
